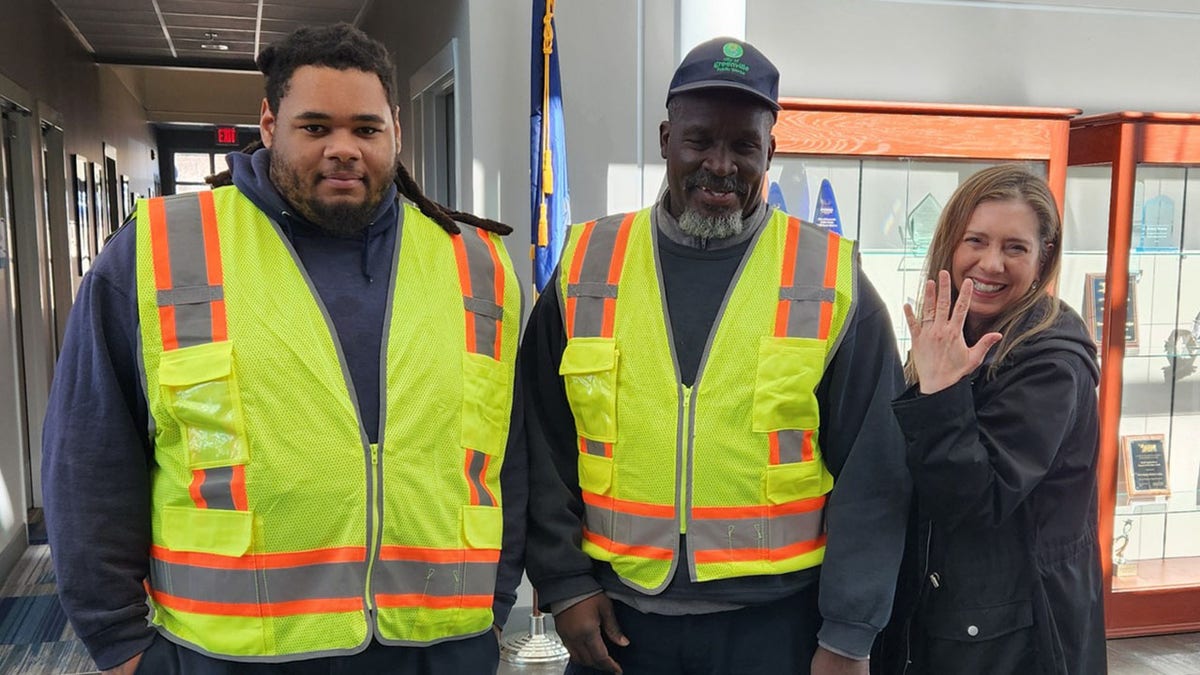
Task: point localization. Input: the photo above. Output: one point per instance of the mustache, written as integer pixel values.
(344, 167)
(709, 181)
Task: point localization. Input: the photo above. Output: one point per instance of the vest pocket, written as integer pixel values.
(589, 372)
(789, 370)
(596, 478)
(487, 403)
(482, 526)
(786, 483)
(218, 531)
(201, 392)
(595, 474)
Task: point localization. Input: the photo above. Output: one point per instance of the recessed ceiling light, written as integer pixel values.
(211, 42)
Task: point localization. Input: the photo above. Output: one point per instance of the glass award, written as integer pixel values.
(775, 197)
(826, 213)
(921, 223)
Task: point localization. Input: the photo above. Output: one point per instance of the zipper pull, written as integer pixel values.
(935, 580)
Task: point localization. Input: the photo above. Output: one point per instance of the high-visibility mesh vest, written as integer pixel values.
(279, 532)
(733, 461)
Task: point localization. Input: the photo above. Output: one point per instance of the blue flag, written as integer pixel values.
(550, 200)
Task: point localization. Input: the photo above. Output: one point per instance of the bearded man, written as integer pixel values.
(717, 481)
(282, 414)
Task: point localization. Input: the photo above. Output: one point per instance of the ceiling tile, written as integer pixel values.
(209, 7)
(130, 30)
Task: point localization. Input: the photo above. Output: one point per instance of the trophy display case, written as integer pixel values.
(881, 172)
(1136, 282)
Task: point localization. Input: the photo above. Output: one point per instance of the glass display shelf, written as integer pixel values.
(1132, 259)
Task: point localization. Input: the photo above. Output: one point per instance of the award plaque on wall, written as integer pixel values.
(1144, 465)
(1093, 309)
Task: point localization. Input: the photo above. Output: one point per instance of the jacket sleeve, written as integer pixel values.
(556, 563)
(867, 512)
(514, 486)
(95, 464)
(977, 466)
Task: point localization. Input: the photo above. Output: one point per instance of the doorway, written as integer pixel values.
(14, 438)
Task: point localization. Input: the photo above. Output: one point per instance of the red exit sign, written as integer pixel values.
(227, 136)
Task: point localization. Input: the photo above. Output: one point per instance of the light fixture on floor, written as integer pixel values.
(535, 647)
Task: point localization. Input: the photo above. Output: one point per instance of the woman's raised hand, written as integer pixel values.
(939, 350)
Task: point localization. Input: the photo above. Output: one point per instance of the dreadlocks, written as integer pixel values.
(445, 217)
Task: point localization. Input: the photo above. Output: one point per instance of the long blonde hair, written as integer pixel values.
(1007, 182)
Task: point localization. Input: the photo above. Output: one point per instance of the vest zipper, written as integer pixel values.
(375, 534)
(685, 452)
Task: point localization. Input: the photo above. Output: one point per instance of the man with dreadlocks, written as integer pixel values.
(282, 417)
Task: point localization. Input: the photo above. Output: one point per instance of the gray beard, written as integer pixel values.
(695, 224)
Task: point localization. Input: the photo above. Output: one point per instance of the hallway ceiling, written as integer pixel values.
(191, 32)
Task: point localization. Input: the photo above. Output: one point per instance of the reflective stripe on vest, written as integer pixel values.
(211, 586)
(591, 297)
(784, 531)
(191, 309)
(482, 279)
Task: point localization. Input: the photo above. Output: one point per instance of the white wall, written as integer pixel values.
(1054, 53)
(497, 111)
(614, 96)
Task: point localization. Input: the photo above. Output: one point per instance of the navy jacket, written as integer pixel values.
(96, 445)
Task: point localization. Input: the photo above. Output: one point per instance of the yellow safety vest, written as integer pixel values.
(279, 532)
(733, 461)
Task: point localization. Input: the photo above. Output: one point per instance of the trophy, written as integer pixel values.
(1123, 568)
(920, 225)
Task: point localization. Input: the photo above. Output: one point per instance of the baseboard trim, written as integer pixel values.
(11, 555)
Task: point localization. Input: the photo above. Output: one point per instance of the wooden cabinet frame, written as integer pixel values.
(1124, 140)
(833, 128)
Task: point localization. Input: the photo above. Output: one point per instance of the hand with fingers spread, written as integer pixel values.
(939, 349)
(583, 627)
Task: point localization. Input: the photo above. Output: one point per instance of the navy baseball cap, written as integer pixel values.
(727, 63)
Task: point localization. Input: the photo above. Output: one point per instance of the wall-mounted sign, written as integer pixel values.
(227, 136)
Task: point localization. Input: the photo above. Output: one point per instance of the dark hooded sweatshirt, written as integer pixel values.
(1003, 572)
(97, 451)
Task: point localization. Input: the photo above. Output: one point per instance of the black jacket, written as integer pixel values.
(1002, 571)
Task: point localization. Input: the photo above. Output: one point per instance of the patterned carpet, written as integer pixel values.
(35, 638)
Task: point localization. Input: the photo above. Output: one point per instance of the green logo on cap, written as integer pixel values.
(733, 50)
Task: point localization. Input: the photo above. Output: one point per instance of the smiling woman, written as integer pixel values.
(1001, 440)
